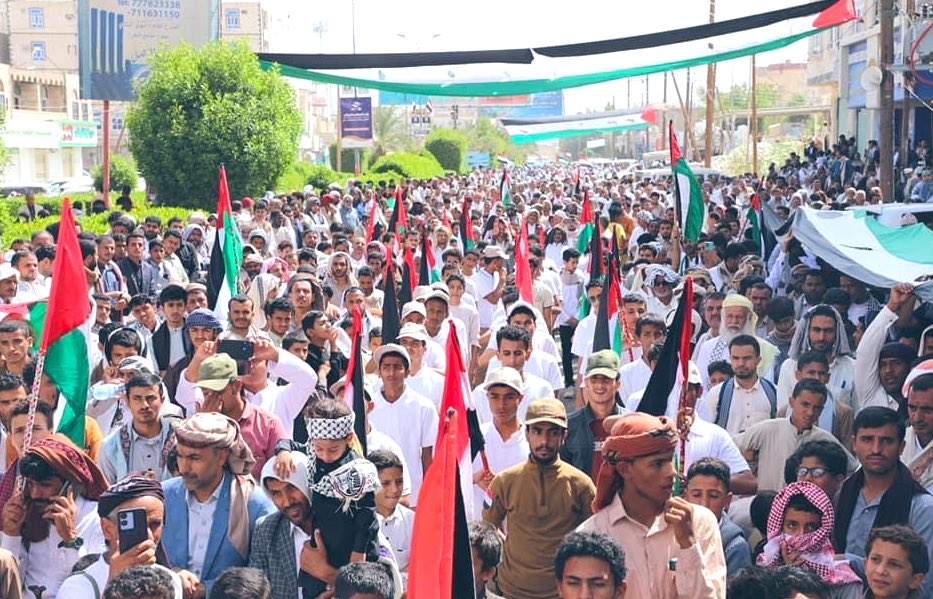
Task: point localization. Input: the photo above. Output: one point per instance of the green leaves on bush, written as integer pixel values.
(449, 146)
(122, 172)
(413, 166)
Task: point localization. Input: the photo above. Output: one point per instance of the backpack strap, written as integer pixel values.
(725, 402)
(771, 393)
(93, 582)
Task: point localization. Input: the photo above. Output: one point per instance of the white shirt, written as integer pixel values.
(299, 538)
(543, 366)
(501, 454)
(44, 563)
(77, 586)
(582, 345)
(710, 440)
(200, 520)
(441, 338)
(397, 528)
(634, 377)
(470, 317)
(485, 284)
(411, 421)
(427, 383)
(749, 407)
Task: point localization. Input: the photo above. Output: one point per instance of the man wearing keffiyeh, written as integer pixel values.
(800, 528)
(212, 508)
(672, 548)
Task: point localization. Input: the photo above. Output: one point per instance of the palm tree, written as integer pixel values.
(390, 130)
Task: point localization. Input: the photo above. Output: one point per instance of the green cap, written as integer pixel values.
(216, 372)
(604, 363)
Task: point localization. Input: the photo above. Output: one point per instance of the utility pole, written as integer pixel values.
(753, 128)
(886, 143)
(710, 95)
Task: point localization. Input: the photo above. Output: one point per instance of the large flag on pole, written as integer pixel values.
(586, 224)
(522, 266)
(226, 255)
(505, 188)
(688, 195)
(391, 325)
(427, 270)
(63, 341)
(467, 238)
(753, 220)
(398, 222)
(353, 390)
(670, 372)
(441, 559)
(408, 277)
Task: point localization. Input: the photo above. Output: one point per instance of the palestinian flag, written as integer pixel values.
(374, 215)
(753, 220)
(586, 224)
(226, 255)
(467, 238)
(609, 305)
(391, 324)
(505, 188)
(594, 266)
(398, 222)
(670, 372)
(62, 320)
(409, 282)
(523, 267)
(688, 195)
(353, 390)
(428, 272)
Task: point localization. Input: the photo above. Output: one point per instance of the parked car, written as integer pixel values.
(83, 183)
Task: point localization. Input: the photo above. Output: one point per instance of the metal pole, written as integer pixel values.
(339, 133)
(753, 129)
(106, 166)
(710, 94)
(886, 143)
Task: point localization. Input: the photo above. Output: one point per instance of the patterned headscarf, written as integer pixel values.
(633, 435)
(801, 341)
(214, 430)
(71, 463)
(816, 548)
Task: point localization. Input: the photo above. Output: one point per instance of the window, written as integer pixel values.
(116, 123)
(38, 51)
(36, 18)
(233, 18)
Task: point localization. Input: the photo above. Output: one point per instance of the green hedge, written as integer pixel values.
(348, 158)
(122, 172)
(414, 166)
(449, 146)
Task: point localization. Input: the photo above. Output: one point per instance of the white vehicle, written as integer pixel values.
(83, 183)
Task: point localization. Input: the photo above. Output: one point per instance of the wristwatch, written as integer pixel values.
(75, 543)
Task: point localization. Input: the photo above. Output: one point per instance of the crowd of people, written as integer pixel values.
(794, 460)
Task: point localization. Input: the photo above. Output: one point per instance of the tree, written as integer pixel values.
(390, 131)
(122, 172)
(201, 108)
(449, 146)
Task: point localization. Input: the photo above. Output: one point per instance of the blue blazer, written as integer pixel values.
(220, 554)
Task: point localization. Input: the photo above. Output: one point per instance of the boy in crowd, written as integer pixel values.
(896, 564)
(708, 485)
(395, 520)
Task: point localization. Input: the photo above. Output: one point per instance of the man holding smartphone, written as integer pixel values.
(133, 507)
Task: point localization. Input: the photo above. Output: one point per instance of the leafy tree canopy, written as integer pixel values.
(204, 107)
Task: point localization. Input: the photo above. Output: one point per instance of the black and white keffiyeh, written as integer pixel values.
(330, 428)
(347, 483)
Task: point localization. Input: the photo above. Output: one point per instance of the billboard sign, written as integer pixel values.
(116, 37)
(356, 122)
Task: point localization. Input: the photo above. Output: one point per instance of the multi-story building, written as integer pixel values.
(244, 21)
(47, 126)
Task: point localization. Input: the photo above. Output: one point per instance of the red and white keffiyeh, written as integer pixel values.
(815, 547)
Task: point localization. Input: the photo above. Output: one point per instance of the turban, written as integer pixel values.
(736, 299)
(631, 436)
(925, 367)
(659, 270)
(71, 464)
(816, 548)
(210, 429)
(131, 487)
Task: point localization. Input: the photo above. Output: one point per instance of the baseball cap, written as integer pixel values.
(390, 348)
(546, 409)
(413, 307)
(506, 376)
(411, 330)
(603, 363)
(216, 372)
(493, 251)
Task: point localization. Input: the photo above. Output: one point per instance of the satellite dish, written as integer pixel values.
(871, 78)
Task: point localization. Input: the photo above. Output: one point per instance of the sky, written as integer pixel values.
(446, 25)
